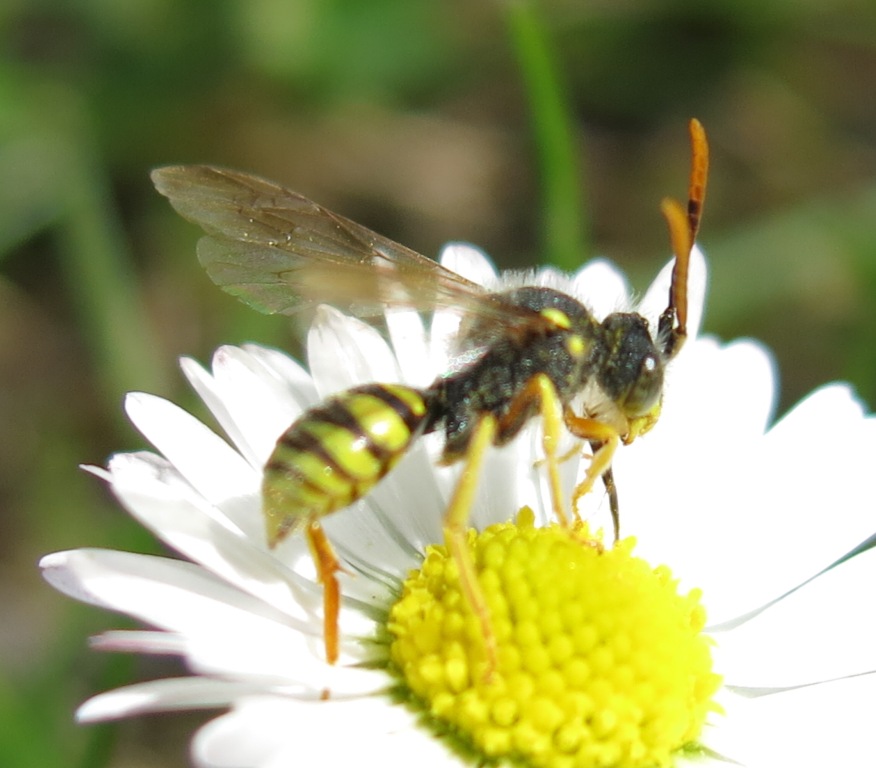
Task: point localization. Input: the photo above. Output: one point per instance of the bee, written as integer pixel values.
(530, 352)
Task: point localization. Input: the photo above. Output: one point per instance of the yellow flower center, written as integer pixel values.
(600, 661)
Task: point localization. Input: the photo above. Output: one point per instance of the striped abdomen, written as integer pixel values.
(336, 452)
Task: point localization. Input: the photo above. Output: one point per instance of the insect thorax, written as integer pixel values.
(569, 350)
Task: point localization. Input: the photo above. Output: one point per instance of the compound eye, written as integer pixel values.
(645, 392)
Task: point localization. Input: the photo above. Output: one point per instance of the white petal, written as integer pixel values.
(226, 631)
(819, 725)
(170, 594)
(408, 338)
(162, 696)
(139, 641)
(799, 499)
(253, 409)
(281, 366)
(273, 663)
(602, 287)
(443, 333)
(263, 405)
(268, 732)
(205, 460)
(817, 633)
(470, 262)
(247, 737)
(145, 486)
(343, 352)
(153, 490)
(677, 484)
(207, 389)
(722, 391)
(828, 449)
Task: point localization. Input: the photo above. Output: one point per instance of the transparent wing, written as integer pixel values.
(280, 252)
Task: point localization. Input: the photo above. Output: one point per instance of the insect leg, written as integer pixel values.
(604, 440)
(540, 389)
(455, 522)
(611, 491)
(327, 565)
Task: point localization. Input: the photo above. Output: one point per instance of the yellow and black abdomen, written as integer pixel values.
(336, 452)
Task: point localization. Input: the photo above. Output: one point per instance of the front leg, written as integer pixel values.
(603, 439)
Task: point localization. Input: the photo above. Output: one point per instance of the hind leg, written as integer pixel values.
(455, 531)
(327, 566)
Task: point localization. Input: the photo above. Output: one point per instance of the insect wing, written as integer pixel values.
(280, 252)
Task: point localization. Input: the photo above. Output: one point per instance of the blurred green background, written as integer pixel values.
(546, 131)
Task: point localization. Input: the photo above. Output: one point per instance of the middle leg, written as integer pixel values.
(540, 391)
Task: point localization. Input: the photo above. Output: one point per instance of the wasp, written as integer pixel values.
(529, 352)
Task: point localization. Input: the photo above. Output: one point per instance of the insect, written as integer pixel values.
(532, 352)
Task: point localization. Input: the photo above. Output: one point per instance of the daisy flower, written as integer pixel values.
(605, 655)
